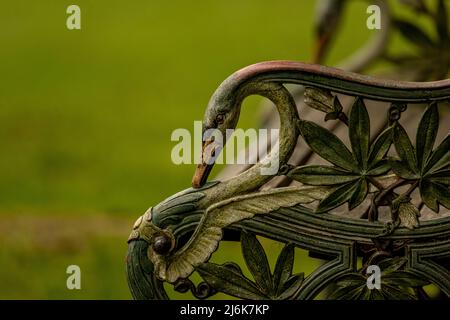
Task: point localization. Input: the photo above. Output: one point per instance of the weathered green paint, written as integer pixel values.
(278, 214)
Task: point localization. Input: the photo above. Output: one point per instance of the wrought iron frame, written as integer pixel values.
(413, 255)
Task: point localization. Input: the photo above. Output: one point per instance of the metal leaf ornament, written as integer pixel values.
(395, 283)
(351, 170)
(280, 285)
(431, 168)
(431, 60)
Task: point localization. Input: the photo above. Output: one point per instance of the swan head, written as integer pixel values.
(221, 114)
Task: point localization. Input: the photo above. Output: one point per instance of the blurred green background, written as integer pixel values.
(86, 118)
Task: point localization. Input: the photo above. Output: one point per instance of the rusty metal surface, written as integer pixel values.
(341, 81)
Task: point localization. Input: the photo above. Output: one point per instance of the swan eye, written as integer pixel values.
(220, 118)
(162, 244)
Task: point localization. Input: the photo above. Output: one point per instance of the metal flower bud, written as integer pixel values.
(408, 215)
(323, 100)
(319, 99)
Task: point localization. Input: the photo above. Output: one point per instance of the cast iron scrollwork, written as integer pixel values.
(383, 171)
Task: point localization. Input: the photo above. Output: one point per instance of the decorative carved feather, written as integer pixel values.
(222, 214)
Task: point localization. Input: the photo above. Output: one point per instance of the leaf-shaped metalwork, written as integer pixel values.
(434, 194)
(359, 195)
(348, 286)
(291, 287)
(431, 62)
(379, 168)
(424, 164)
(281, 285)
(442, 177)
(442, 21)
(352, 171)
(256, 261)
(321, 175)
(380, 147)
(413, 33)
(283, 268)
(337, 110)
(337, 197)
(404, 279)
(402, 169)
(417, 5)
(392, 264)
(392, 292)
(426, 134)
(359, 132)
(353, 286)
(328, 146)
(225, 280)
(405, 150)
(440, 157)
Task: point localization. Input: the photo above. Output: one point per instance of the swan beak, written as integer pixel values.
(203, 169)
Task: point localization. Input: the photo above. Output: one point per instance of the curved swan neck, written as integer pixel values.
(253, 178)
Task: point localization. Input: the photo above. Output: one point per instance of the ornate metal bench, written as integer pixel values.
(369, 190)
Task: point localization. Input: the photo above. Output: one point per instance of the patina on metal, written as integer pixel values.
(386, 181)
(303, 216)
